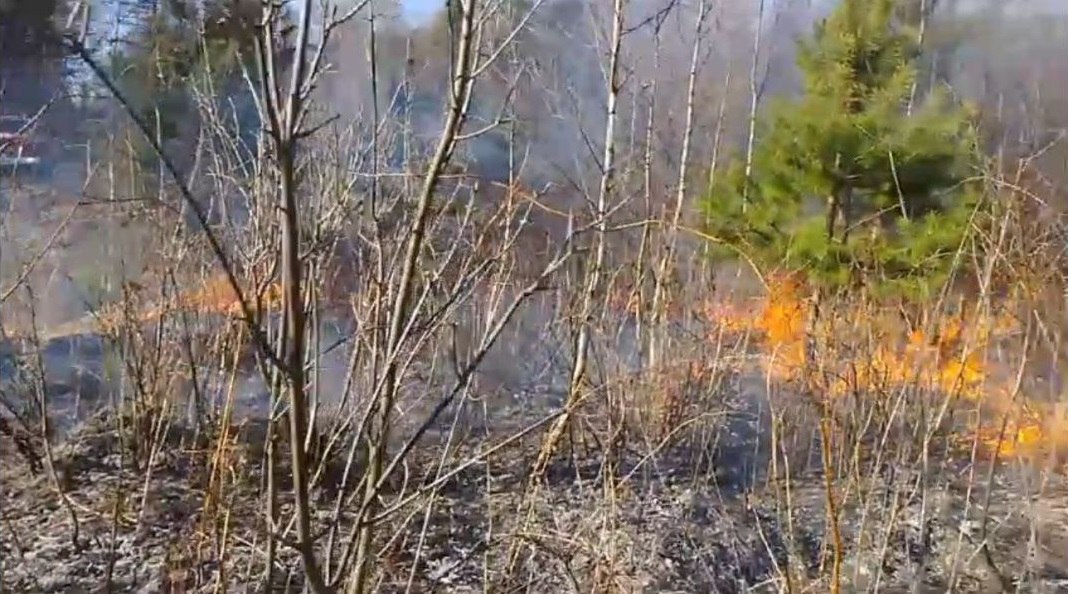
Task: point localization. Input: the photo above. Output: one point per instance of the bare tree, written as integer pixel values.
(577, 392)
(668, 255)
(427, 336)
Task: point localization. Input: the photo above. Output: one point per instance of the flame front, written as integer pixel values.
(880, 357)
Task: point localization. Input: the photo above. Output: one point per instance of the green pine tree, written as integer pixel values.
(848, 184)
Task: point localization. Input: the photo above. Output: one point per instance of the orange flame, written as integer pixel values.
(952, 361)
(215, 296)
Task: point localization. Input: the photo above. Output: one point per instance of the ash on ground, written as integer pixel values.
(676, 520)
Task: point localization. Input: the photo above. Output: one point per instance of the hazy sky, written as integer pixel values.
(417, 10)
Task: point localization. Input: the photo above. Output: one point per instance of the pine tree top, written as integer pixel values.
(859, 180)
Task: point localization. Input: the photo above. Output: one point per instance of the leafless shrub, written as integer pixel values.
(357, 372)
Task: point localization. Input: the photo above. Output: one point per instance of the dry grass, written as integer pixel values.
(755, 403)
(879, 446)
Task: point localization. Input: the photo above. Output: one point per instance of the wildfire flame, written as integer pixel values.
(217, 296)
(953, 361)
(214, 296)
